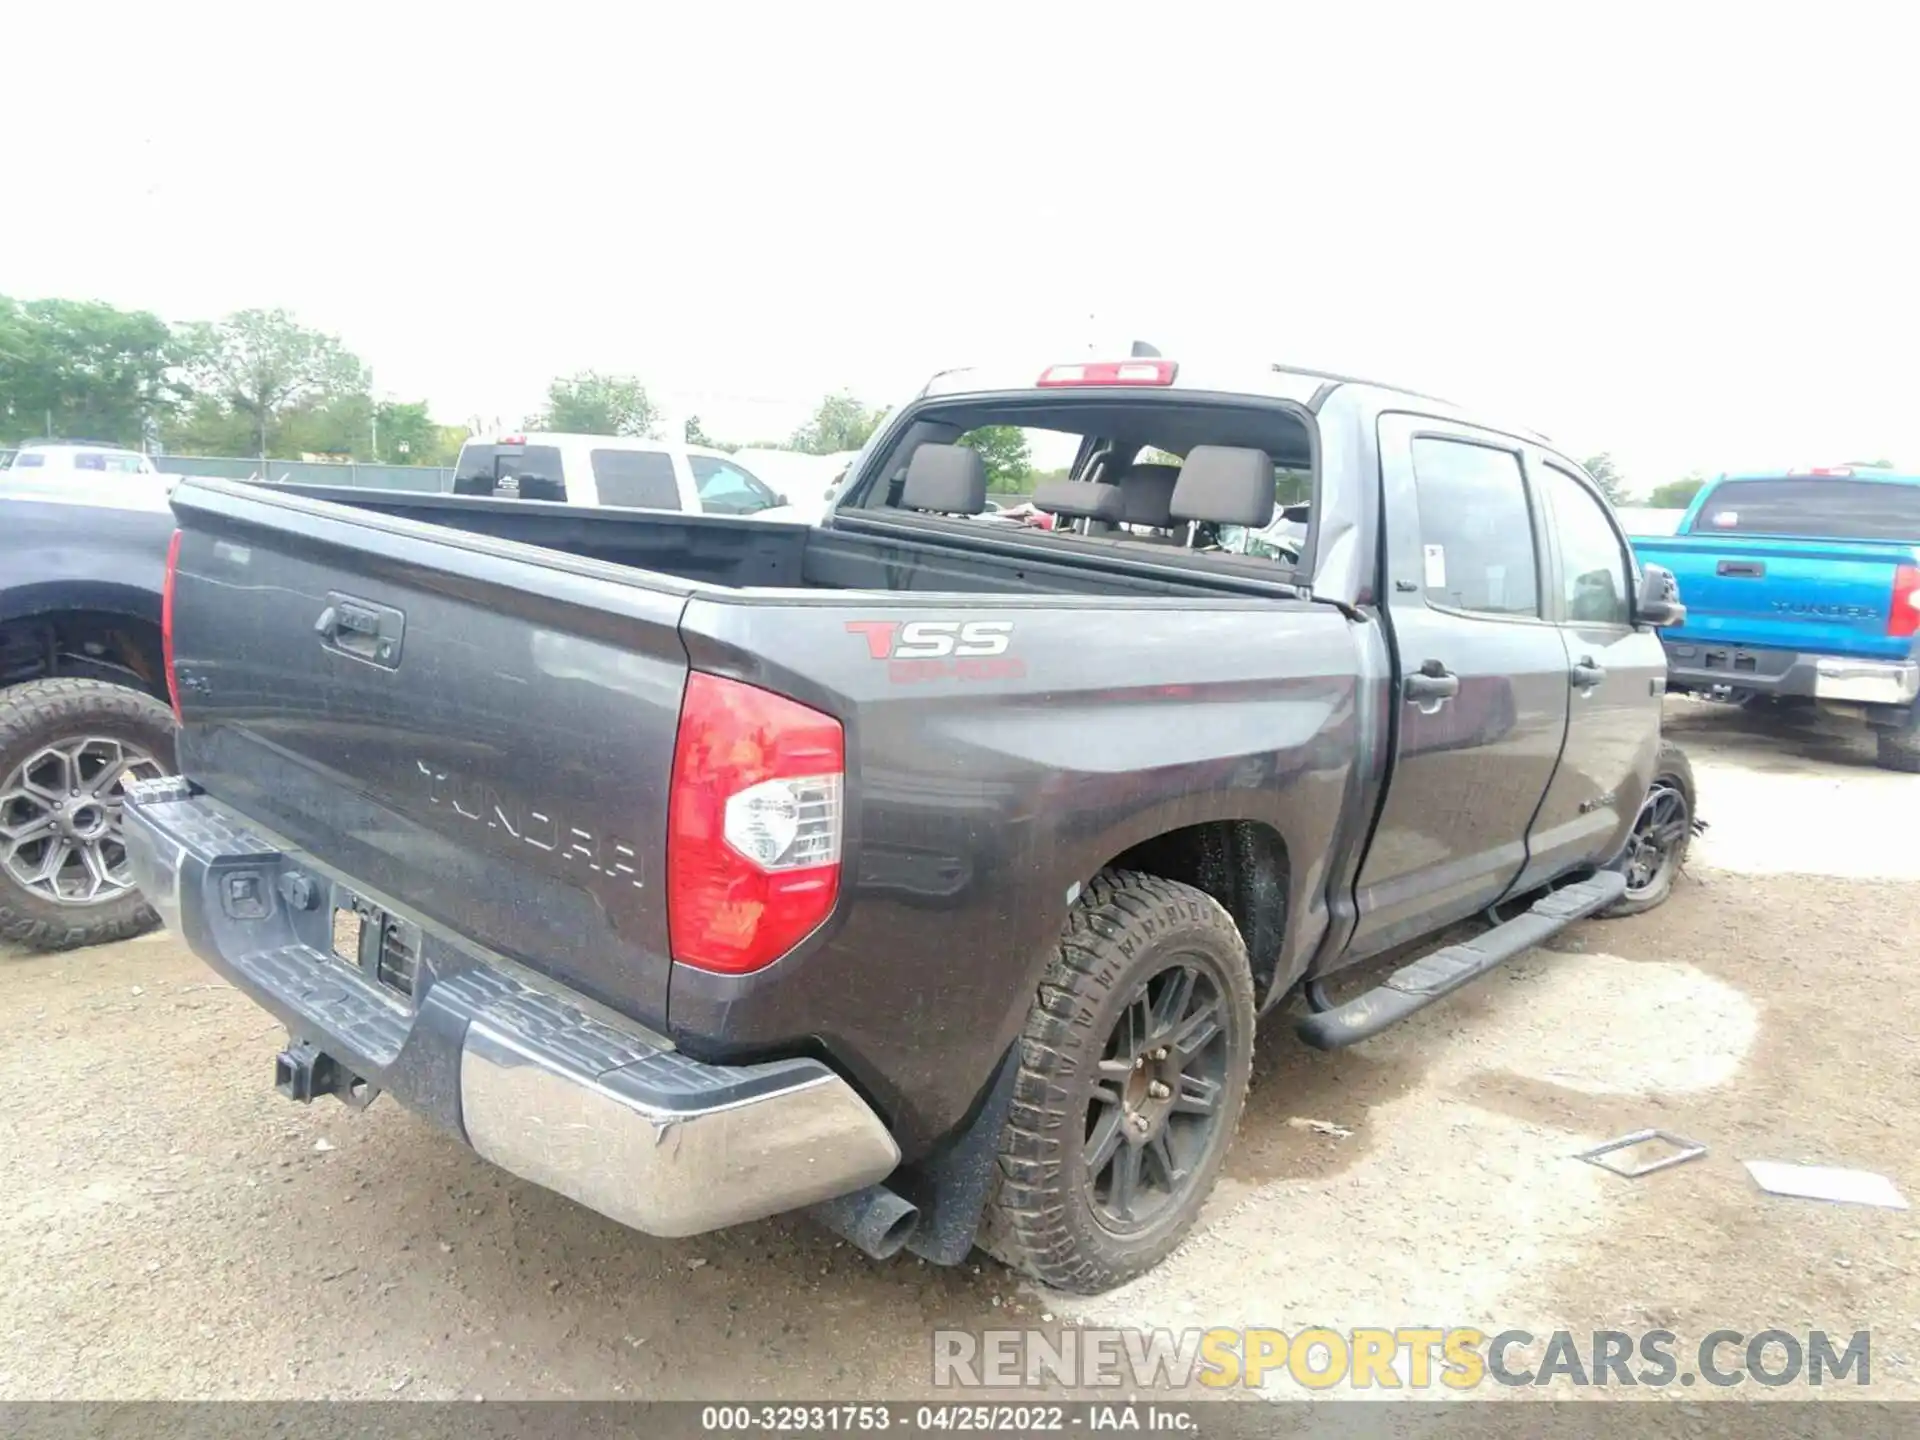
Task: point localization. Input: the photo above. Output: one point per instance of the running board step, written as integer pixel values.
(1417, 985)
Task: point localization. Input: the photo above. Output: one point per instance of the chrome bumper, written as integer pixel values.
(1867, 682)
(629, 1144)
(569, 1096)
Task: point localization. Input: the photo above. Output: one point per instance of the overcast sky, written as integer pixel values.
(1686, 234)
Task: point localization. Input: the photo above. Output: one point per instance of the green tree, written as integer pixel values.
(1008, 458)
(1607, 476)
(445, 449)
(263, 365)
(79, 369)
(697, 436)
(1676, 494)
(405, 432)
(839, 423)
(209, 428)
(589, 403)
(341, 427)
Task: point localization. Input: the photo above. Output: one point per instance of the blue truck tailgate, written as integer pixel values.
(1822, 596)
(1821, 563)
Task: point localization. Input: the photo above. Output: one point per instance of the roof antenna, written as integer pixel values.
(1143, 351)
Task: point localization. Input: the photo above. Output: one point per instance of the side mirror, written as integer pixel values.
(780, 499)
(1658, 603)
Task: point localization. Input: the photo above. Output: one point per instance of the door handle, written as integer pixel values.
(1432, 681)
(1586, 674)
(1745, 569)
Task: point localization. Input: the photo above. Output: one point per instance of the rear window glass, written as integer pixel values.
(639, 479)
(1818, 507)
(519, 472)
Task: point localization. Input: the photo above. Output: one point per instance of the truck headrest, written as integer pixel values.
(1148, 492)
(945, 480)
(1226, 485)
(1079, 500)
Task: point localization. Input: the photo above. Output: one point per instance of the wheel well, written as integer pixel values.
(1240, 863)
(84, 644)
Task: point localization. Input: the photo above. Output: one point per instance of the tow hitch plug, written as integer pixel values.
(303, 1073)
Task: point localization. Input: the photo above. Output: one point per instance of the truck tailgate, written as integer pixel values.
(1829, 597)
(483, 728)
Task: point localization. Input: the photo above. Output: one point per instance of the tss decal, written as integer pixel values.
(919, 650)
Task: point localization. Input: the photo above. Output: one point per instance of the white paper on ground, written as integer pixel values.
(1824, 1182)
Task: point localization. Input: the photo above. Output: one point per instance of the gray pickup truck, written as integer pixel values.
(917, 870)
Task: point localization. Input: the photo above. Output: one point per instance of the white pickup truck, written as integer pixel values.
(618, 471)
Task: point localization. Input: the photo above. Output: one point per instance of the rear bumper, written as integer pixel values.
(538, 1080)
(1695, 666)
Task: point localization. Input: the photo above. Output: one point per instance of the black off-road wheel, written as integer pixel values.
(1899, 749)
(68, 749)
(1662, 831)
(1133, 1071)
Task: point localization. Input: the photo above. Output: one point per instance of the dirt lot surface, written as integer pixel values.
(172, 1228)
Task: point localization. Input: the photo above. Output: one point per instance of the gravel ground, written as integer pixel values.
(171, 1228)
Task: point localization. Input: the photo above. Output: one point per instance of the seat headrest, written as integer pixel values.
(1225, 485)
(946, 480)
(1147, 492)
(1079, 500)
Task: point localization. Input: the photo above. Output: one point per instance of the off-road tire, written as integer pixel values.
(1122, 930)
(1898, 749)
(44, 712)
(1671, 767)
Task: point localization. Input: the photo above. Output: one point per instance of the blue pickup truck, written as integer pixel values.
(1802, 587)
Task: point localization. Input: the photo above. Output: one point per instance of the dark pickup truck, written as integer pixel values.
(917, 870)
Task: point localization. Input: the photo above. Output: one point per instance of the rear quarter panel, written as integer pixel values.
(983, 788)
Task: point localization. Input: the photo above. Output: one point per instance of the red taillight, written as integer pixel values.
(1903, 617)
(512, 440)
(166, 623)
(753, 825)
(1109, 372)
(1824, 470)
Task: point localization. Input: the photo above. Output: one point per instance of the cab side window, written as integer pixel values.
(639, 479)
(1593, 563)
(1476, 531)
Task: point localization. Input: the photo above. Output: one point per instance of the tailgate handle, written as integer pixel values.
(361, 629)
(1752, 569)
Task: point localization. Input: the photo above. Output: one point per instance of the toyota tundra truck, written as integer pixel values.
(1803, 590)
(919, 872)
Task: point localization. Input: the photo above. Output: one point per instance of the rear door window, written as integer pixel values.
(1476, 529)
(636, 479)
(1816, 507)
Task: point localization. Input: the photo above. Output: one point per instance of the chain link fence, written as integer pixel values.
(437, 478)
(311, 472)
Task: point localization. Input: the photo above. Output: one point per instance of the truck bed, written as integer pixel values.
(917, 554)
(484, 744)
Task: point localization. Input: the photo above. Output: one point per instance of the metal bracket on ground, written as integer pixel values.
(1684, 1150)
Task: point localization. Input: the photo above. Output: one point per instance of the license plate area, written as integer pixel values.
(381, 946)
